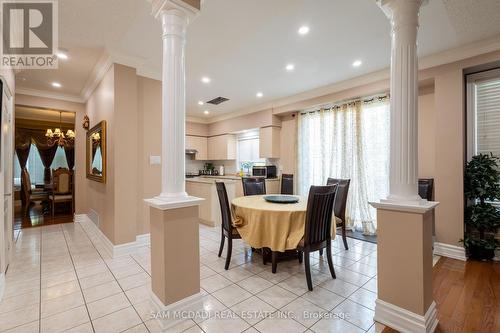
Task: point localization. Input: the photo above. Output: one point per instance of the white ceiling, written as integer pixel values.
(243, 46)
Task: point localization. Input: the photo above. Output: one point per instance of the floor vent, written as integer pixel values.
(218, 100)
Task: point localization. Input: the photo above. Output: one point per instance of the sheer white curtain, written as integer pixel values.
(347, 141)
(35, 166)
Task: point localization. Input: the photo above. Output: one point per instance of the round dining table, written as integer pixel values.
(277, 226)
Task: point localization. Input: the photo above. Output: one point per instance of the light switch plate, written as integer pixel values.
(154, 160)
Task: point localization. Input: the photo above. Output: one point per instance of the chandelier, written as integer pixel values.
(58, 137)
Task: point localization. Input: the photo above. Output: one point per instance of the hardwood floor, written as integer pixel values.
(37, 218)
(467, 296)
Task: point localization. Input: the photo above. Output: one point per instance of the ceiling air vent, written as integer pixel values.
(218, 100)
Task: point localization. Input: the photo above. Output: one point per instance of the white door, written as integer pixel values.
(6, 182)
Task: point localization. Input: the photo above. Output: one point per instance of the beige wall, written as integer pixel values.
(100, 197)
(149, 107)
(244, 122)
(426, 133)
(79, 109)
(126, 117)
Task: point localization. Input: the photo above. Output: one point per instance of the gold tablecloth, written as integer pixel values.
(261, 224)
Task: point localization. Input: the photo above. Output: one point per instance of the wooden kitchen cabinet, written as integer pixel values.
(269, 142)
(198, 143)
(222, 147)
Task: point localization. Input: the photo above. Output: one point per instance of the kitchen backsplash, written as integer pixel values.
(193, 166)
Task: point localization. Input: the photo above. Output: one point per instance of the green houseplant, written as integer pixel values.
(481, 186)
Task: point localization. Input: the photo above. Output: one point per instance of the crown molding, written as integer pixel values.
(434, 60)
(98, 72)
(197, 120)
(49, 94)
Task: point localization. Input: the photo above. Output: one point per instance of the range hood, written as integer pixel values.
(191, 151)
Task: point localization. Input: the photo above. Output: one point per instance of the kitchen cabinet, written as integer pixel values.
(222, 147)
(269, 142)
(200, 144)
(209, 209)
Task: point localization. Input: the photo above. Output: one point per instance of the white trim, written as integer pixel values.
(165, 203)
(418, 207)
(403, 320)
(180, 305)
(143, 240)
(49, 94)
(2, 285)
(103, 244)
(98, 72)
(450, 251)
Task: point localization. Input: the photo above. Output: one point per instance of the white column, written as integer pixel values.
(174, 23)
(403, 15)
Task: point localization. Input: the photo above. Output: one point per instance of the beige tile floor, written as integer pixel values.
(59, 281)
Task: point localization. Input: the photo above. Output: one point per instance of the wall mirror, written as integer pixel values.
(96, 152)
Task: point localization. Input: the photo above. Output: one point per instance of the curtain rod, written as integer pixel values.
(366, 100)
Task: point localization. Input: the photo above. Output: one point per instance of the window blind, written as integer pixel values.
(488, 117)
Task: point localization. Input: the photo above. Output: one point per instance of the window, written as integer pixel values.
(348, 141)
(35, 166)
(248, 150)
(483, 113)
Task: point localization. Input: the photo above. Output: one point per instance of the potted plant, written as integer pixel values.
(481, 187)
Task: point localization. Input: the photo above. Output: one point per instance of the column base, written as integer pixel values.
(404, 320)
(172, 314)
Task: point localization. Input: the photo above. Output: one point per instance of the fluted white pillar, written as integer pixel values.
(403, 15)
(174, 23)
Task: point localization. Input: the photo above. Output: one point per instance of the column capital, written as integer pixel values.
(189, 8)
(404, 12)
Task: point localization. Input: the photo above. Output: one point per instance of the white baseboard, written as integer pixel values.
(450, 251)
(2, 285)
(166, 314)
(143, 240)
(405, 321)
(103, 244)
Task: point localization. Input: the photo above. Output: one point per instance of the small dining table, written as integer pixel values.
(276, 226)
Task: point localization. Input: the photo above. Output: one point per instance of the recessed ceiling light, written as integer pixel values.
(357, 63)
(290, 67)
(259, 94)
(206, 112)
(62, 55)
(303, 30)
(200, 103)
(56, 85)
(205, 79)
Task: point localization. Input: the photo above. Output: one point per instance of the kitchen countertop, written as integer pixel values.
(210, 180)
(233, 177)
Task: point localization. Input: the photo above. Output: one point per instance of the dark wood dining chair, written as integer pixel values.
(227, 229)
(318, 225)
(254, 186)
(287, 184)
(29, 194)
(340, 204)
(425, 188)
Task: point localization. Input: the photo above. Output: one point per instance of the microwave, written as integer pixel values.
(267, 171)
